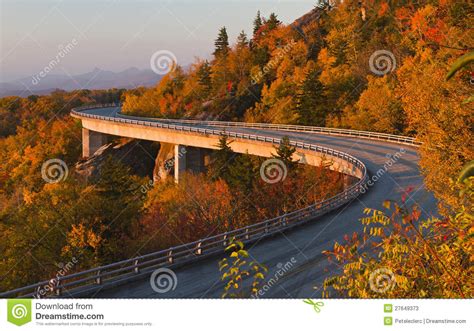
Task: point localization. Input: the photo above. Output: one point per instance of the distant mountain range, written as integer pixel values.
(94, 80)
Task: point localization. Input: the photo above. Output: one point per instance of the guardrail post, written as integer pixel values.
(57, 288)
(225, 240)
(247, 236)
(98, 279)
(136, 269)
(198, 248)
(170, 256)
(266, 227)
(38, 292)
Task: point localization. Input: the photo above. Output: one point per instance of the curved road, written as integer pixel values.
(300, 249)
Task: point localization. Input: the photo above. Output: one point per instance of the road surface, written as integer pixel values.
(302, 247)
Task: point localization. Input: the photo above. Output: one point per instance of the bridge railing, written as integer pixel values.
(279, 127)
(95, 278)
(290, 127)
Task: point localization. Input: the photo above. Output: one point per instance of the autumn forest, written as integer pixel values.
(321, 70)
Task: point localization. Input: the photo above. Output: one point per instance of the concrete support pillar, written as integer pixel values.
(164, 163)
(92, 141)
(180, 156)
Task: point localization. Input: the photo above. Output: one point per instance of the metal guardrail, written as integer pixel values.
(166, 258)
(96, 277)
(279, 127)
(290, 127)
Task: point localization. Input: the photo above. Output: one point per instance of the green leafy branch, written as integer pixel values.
(237, 269)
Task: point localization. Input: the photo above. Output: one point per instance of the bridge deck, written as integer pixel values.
(303, 244)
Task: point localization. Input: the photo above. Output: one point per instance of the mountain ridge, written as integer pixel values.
(96, 79)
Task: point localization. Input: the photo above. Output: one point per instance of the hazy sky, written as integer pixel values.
(118, 34)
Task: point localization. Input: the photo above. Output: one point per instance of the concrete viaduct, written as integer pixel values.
(384, 165)
(190, 147)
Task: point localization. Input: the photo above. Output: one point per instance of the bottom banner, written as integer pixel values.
(277, 314)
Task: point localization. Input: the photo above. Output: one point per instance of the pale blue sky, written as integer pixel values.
(117, 34)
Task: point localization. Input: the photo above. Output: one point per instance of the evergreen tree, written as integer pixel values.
(115, 185)
(117, 196)
(310, 101)
(221, 160)
(272, 22)
(222, 43)
(257, 23)
(242, 173)
(285, 152)
(260, 55)
(204, 76)
(324, 5)
(242, 40)
(236, 170)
